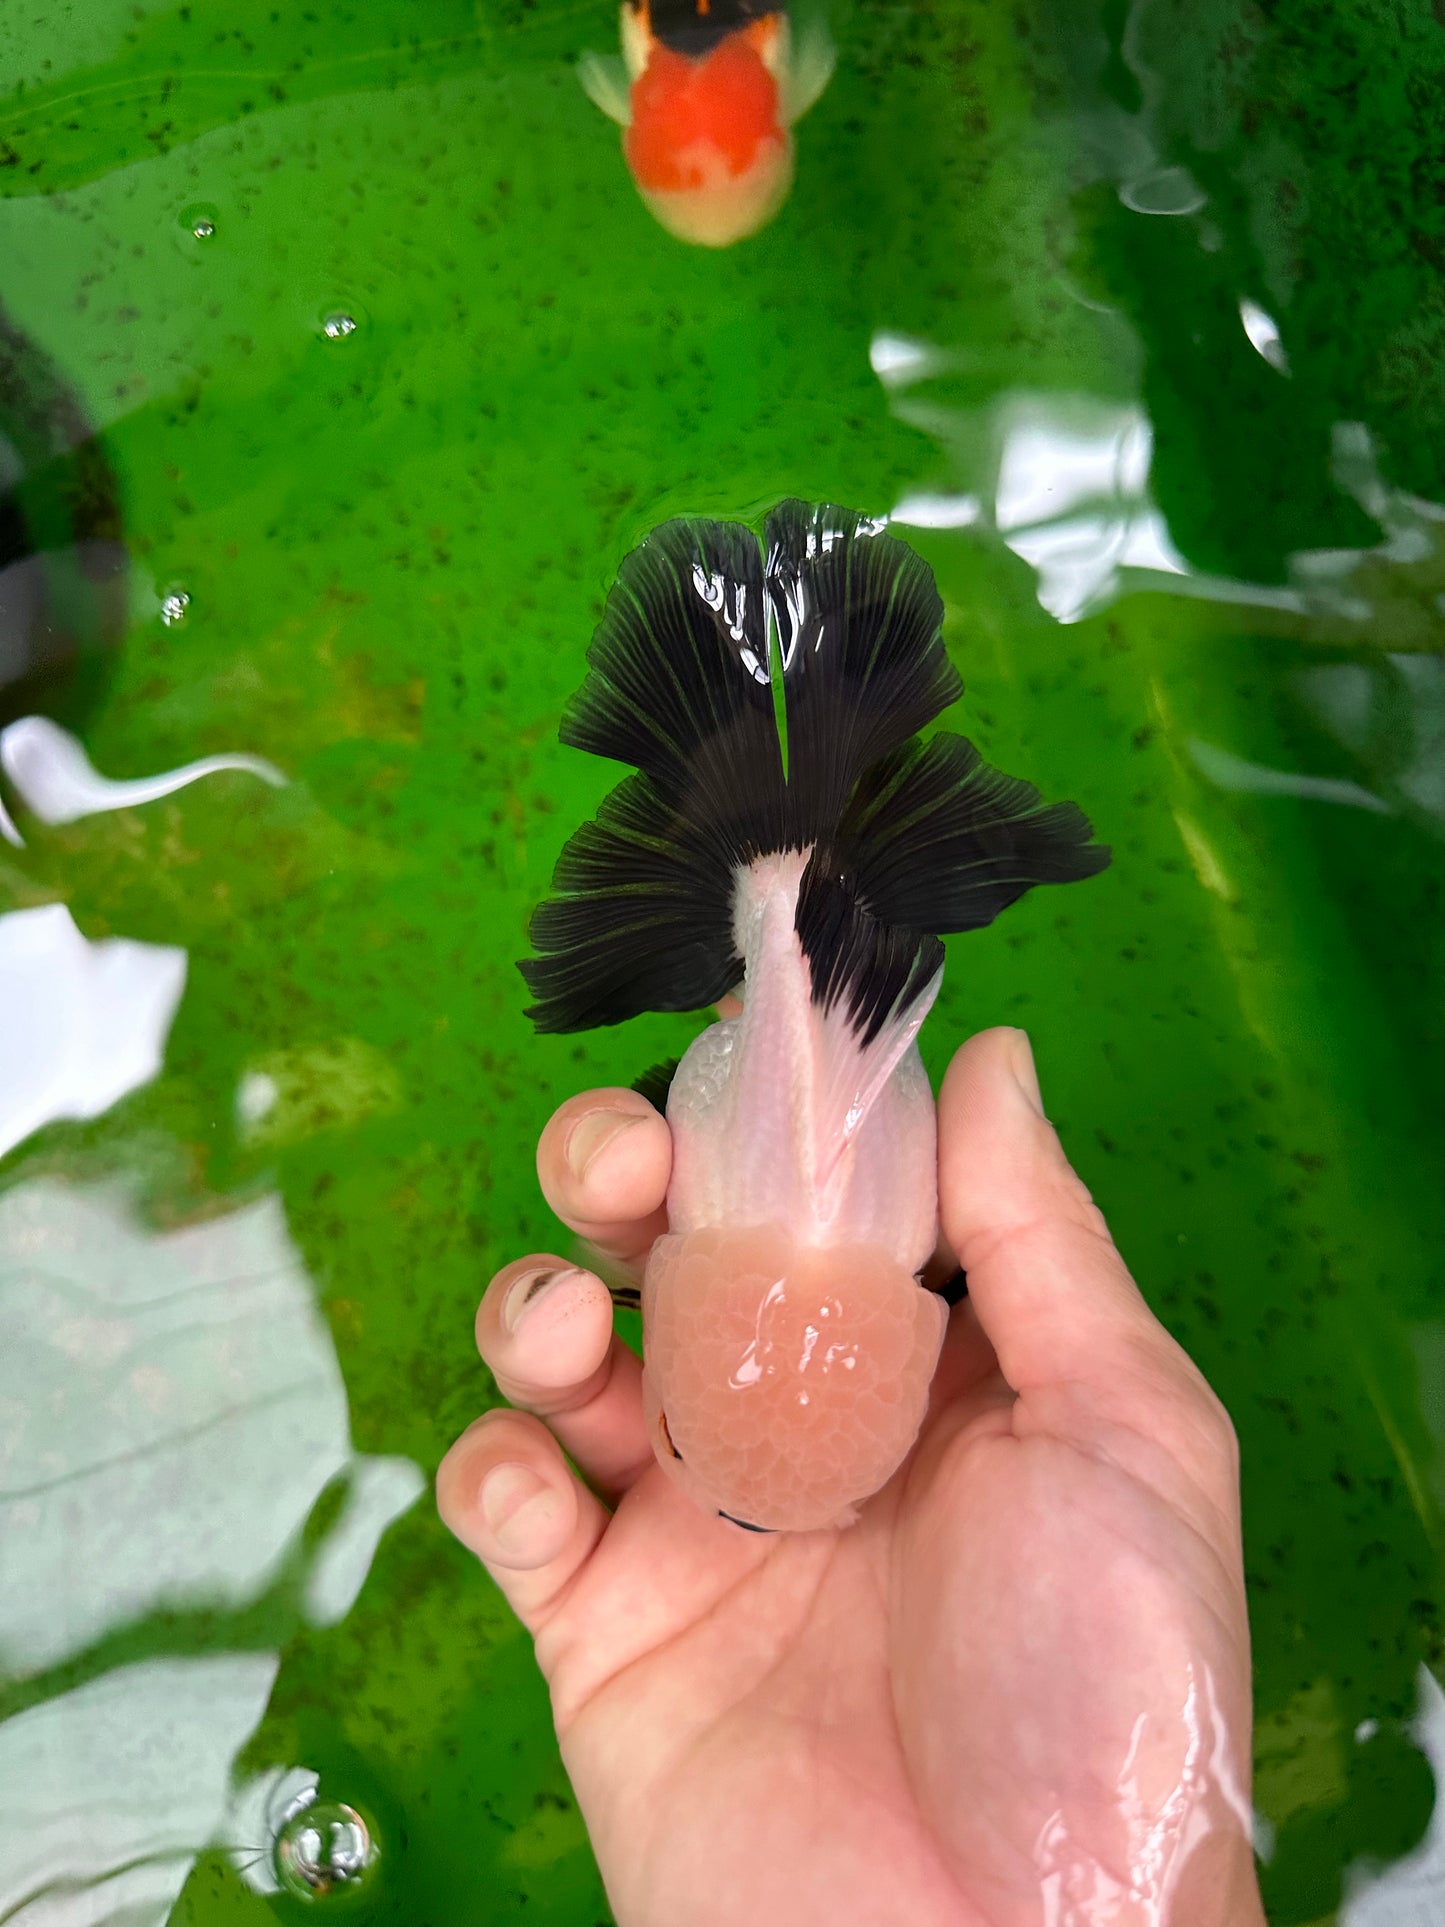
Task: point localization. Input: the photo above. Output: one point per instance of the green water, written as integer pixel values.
(214, 1562)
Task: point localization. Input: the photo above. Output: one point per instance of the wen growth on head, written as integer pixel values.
(789, 837)
(707, 92)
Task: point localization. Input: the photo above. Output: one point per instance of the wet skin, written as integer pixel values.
(1017, 1691)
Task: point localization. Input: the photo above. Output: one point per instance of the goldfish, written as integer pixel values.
(707, 92)
(789, 837)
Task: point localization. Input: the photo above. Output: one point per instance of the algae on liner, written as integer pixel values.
(787, 1342)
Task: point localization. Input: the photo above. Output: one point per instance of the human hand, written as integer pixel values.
(1015, 1694)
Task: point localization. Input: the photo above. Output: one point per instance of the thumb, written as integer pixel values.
(1072, 1332)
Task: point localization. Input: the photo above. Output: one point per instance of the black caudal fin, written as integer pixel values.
(854, 957)
(641, 918)
(909, 841)
(933, 841)
(678, 668)
(678, 686)
(860, 641)
(940, 841)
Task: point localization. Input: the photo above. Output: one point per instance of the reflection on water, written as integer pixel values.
(1412, 1892)
(1389, 713)
(139, 1371)
(1065, 481)
(57, 783)
(84, 1022)
(1071, 499)
(1264, 336)
(1065, 477)
(150, 1366)
(1231, 772)
(112, 1789)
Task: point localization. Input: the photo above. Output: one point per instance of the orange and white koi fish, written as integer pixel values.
(788, 1343)
(708, 92)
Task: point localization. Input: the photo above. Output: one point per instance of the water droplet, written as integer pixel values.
(322, 1847)
(202, 228)
(174, 606)
(338, 325)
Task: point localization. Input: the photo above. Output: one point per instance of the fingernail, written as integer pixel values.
(1021, 1062)
(592, 1134)
(525, 1292)
(515, 1502)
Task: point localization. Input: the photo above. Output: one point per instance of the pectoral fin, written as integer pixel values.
(810, 68)
(605, 83)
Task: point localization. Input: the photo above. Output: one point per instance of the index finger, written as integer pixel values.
(603, 1162)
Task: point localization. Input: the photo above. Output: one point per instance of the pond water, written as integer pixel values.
(340, 364)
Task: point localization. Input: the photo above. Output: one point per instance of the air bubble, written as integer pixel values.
(174, 606)
(1164, 190)
(338, 325)
(323, 1847)
(198, 221)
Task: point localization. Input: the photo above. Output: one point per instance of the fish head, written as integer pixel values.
(707, 145)
(784, 1383)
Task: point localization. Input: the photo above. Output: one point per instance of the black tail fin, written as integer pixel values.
(940, 841)
(678, 686)
(860, 641)
(909, 841)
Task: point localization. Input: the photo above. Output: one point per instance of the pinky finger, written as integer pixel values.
(508, 1494)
